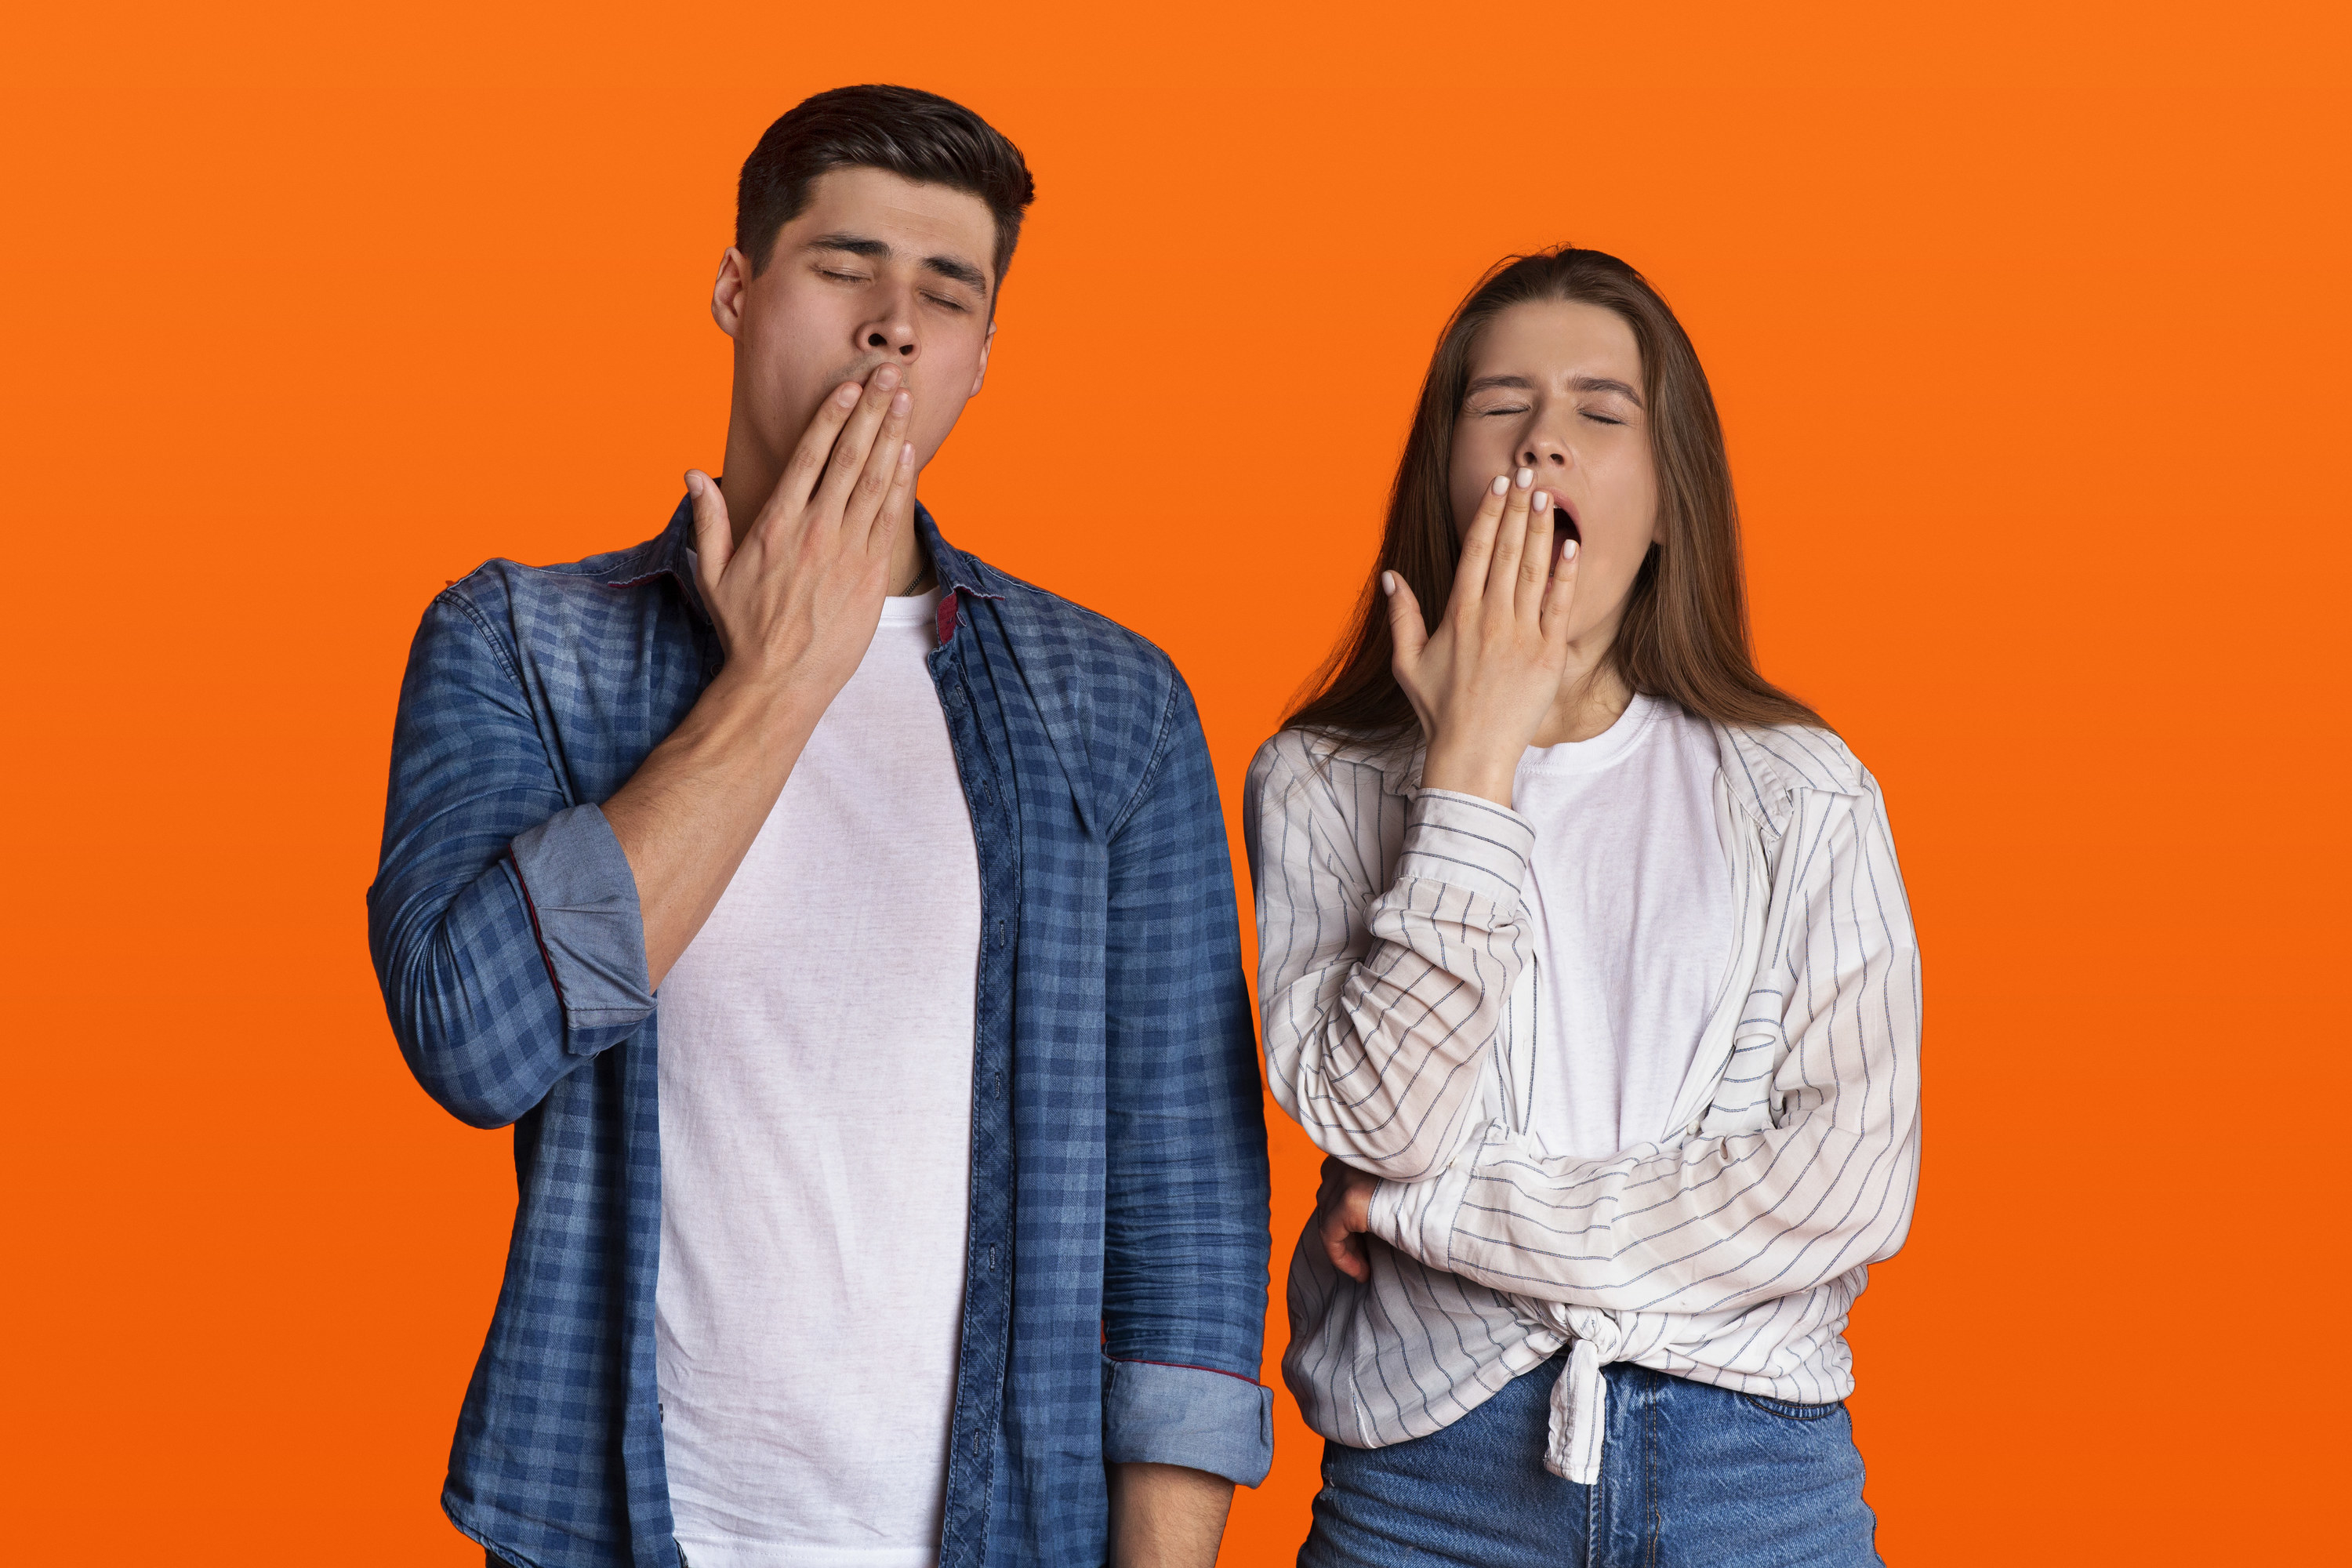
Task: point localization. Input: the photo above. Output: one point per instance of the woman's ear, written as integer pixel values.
(727, 293)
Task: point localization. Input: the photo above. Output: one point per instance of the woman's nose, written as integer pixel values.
(1546, 453)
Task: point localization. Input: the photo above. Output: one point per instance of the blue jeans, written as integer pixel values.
(1689, 1475)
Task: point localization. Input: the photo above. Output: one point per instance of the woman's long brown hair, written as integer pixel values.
(1685, 632)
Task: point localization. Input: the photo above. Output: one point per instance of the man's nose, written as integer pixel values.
(893, 333)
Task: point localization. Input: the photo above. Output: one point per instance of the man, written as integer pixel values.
(847, 929)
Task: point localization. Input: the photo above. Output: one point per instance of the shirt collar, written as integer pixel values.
(666, 554)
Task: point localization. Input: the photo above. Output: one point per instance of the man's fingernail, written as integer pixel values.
(848, 395)
(904, 400)
(1526, 477)
(1502, 483)
(886, 378)
(694, 483)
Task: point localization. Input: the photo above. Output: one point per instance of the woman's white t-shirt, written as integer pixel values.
(1630, 907)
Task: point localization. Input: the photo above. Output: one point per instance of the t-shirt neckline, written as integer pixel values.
(1609, 746)
(912, 609)
(898, 609)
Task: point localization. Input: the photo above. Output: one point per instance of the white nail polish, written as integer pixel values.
(1568, 551)
(1543, 501)
(1526, 477)
(1387, 582)
(1502, 483)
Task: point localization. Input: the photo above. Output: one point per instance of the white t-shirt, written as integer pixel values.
(1630, 903)
(816, 1042)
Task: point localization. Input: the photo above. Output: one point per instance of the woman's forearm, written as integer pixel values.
(1375, 1043)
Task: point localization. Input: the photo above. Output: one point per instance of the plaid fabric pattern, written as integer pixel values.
(1116, 1272)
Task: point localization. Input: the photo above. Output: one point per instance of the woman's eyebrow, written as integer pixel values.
(1576, 383)
(1605, 384)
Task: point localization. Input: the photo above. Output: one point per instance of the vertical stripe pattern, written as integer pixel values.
(1729, 1248)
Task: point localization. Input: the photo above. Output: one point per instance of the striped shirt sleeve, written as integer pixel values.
(1813, 1181)
(1380, 1001)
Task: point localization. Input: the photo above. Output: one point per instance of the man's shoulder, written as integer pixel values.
(1109, 700)
(1057, 637)
(590, 610)
(607, 574)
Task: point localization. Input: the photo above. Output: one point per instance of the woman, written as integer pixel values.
(1585, 957)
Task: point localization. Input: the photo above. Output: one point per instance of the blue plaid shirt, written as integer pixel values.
(1115, 1282)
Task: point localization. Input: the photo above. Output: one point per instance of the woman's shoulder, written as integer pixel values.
(1296, 750)
(1771, 764)
(1328, 768)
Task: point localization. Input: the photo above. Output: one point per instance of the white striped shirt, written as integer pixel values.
(1393, 957)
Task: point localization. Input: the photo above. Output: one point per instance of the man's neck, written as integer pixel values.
(748, 479)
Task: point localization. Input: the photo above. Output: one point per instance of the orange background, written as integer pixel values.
(2029, 323)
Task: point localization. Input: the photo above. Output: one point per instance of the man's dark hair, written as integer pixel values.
(914, 134)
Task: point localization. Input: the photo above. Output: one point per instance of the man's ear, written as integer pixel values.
(727, 294)
(981, 373)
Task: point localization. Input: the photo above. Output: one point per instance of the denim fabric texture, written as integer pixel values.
(1692, 1476)
(1115, 1285)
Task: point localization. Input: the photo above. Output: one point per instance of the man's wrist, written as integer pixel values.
(767, 701)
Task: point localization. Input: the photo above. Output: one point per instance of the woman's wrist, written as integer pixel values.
(1469, 771)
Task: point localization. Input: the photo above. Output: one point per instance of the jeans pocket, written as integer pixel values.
(1785, 1410)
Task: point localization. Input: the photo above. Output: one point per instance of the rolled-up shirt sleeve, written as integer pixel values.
(1186, 1234)
(503, 920)
(1189, 1415)
(583, 900)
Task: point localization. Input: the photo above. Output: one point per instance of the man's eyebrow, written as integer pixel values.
(954, 268)
(1576, 383)
(957, 270)
(854, 244)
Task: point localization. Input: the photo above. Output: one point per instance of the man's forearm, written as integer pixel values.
(1165, 1516)
(690, 812)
